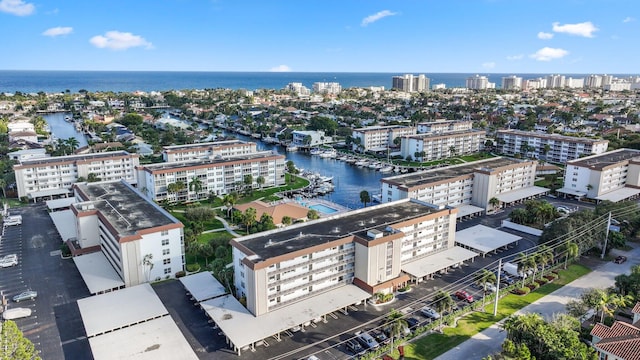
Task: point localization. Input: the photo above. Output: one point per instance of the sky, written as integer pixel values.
(418, 36)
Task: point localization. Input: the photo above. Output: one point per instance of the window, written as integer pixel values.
(165, 251)
(167, 271)
(166, 261)
(164, 232)
(165, 242)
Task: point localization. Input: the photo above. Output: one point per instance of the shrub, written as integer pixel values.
(193, 267)
(533, 286)
(542, 281)
(180, 274)
(522, 291)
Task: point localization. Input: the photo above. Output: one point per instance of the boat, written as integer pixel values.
(67, 118)
(269, 140)
(292, 148)
(386, 169)
(373, 165)
(316, 151)
(256, 135)
(351, 160)
(325, 178)
(330, 153)
(362, 162)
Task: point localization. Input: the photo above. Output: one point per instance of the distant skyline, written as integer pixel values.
(429, 36)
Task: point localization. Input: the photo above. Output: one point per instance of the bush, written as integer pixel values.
(533, 286)
(180, 274)
(522, 291)
(542, 281)
(193, 267)
(64, 248)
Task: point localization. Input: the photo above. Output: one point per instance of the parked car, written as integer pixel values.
(464, 295)
(4, 263)
(507, 280)
(380, 337)
(413, 323)
(489, 287)
(16, 313)
(26, 295)
(620, 259)
(367, 341)
(429, 312)
(10, 257)
(354, 347)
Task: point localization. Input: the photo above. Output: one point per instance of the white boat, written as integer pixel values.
(325, 178)
(362, 163)
(292, 148)
(386, 169)
(373, 165)
(316, 151)
(351, 160)
(331, 153)
(270, 140)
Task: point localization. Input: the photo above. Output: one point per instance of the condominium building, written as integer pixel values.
(508, 180)
(53, 176)
(378, 138)
(327, 88)
(555, 81)
(198, 179)
(512, 82)
(139, 239)
(613, 176)
(427, 147)
(444, 126)
(478, 82)
(367, 248)
(550, 147)
(298, 88)
(210, 150)
(411, 83)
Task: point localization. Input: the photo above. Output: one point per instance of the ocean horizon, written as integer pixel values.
(55, 81)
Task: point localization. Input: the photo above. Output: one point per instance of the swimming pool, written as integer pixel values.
(323, 208)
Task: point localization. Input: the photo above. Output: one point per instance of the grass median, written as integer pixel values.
(434, 345)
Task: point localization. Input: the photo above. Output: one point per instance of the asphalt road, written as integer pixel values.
(490, 340)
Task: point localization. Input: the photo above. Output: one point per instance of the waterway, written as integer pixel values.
(62, 129)
(349, 180)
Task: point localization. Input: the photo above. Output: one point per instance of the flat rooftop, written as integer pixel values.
(484, 239)
(302, 236)
(438, 261)
(555, 137)
(186, 164)
(125, 208)
(599, 162)
(445, 173)
(97, 272)
(74, 158)
(203, 286)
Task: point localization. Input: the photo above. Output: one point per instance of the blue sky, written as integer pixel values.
(427, 36)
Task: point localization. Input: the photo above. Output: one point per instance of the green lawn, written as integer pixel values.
(434, 345)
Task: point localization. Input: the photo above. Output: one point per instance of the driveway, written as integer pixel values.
(490, 340)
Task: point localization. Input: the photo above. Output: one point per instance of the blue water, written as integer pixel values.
(62, 129)
(323, 208)
(127, 81)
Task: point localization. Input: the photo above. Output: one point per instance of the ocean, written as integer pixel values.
(28, 81)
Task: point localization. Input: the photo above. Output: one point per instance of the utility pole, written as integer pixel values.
(606, 237)
(495, 304)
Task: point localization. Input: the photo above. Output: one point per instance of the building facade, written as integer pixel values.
(210, 150)
(443, 126)
(411, 83)
(54, 176)
(365, 247)
(378, 138)
(512, 83)
(478, 82)
(198, 179)
(140, 240)
(467, 184)
(427, 147)
(327, 88)
(550, 147)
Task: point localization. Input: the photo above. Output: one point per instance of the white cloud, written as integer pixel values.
(17, 7)
(628, 19)
(489, 65)
(585, 29)
(280, 68)
(377, 16)
(515, 57)
(548, 54)
(57, 31)
(545, 35)
(116, 40)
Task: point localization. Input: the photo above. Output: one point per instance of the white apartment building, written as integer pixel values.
(54, 176)
(555, 81)
(298, 88)
(139, 239)
(508, 180)
(219, 176)
(210, 150)
(368, 248)
(512, 82)
(427, 147)
(478, 82)
(378, 138)
(327, 88)
(444, 126)
(613, 176)
(550, 147)
(411, 83)
(307, 138)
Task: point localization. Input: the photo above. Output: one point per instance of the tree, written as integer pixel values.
(397, 324)
(260, 181)
(3, 185)
(571, 251)
(287, 220)
(176, 187)
(13, 344)
(229, 200)
(92, 177)
(72, 143)
(147, 263)
(452, 151)
(266, 222)
(494, 202)
(248, 182)
(206, 251)
(195, 185)
(365, 197)
(524, 265)
(313, 214)
(443, 303)
(249, 217)
(483, 278)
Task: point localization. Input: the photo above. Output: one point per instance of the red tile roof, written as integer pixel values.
(627, 348)
(616, 330)
(636, 309)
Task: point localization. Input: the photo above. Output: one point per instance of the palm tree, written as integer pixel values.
(494, 202)
(572, 250)
(443, 303)
(483, 278)
(3, 184)
(524, 264)
(147, 263)
(365, 197)
(517, 326)
(195, 185)
(229, 200)
(260, 181)
(397, 324)
(452, 151)
(249, 217)
(72, 143)
(545, 257)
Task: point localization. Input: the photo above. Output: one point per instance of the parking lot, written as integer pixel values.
(53, 326)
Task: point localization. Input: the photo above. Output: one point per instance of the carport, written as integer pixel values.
(467, 211)
(59, 204)
(132, 323)
(518, 196)
(203, 286)
(625, 193)
(97, 273)
(431, 264)
(244, 330)
(572, 192)
(65, 223)
(484, 239)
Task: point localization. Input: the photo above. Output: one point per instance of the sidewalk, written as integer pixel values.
(490, 340)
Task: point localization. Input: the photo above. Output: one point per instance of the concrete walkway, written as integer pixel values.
(490, 340)
(228, 228)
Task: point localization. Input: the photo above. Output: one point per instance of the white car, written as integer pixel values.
(4, 263)
(430, 313)
(9, 257)
(16, 313)
(489, 287)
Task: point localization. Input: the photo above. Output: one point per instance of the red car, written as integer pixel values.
(463, 295)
